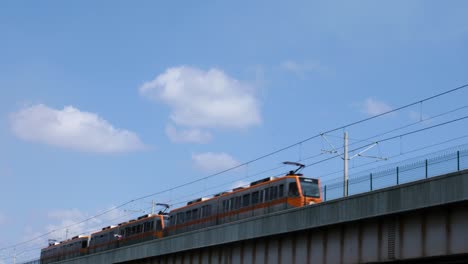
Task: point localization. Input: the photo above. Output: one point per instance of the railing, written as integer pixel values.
(407, 171)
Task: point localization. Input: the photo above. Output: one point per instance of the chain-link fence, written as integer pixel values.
(444, 162)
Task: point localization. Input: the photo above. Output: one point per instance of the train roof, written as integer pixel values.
(139, 219)
(64, 242)
(104, 229)
(241, 189)
(132, 221)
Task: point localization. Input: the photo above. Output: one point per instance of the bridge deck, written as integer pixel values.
(438, 191)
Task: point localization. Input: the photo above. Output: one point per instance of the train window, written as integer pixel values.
(293, 191)
(180, 218)
(274, 193)
(261, 196)
(272, 190)
(237, 202)
(195, 214)
(206, 210)
(188, 215)
(246, 200)
(158, 225)
(225, 206)
(255, 197)
(147, 226)
(231, 202)
(310, 187)
(202, 211)
(281, 190)
(128, 231)
(267, 194)
(172, 220)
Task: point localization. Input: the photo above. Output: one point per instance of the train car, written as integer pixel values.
(146, 227)
(71, 248)
(103, 240)
(260, 197)
(50, 253)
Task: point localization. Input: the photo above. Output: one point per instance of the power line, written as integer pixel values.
(335, 181)
(394, 156)
(390, 138)
(411, 124)
(251, 161)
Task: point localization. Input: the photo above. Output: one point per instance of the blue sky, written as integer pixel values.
(103, 102)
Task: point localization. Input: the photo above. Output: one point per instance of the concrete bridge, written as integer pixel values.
(423, 221)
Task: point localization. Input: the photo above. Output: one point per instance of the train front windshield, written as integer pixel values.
(310, 187)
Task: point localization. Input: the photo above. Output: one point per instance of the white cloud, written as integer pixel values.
(73, 129)
(204, 99)
(372, 107)
(214, 162)
(188, 135)
(303, 68)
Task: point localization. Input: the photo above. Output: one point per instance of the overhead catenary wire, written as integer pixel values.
(248, 162)
(368, 139)
(391, 138)
(394, 156)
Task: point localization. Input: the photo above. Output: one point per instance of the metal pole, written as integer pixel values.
(458, 160)
(427, 174)
(397, 175)
(371, 181)
(345, 158)
(325, 193)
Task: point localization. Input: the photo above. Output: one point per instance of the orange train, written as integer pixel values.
(260, 197)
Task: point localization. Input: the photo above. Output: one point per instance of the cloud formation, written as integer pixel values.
(214, 162)
(204, 99)
(188, 135)
(372, 106)
(72, 129)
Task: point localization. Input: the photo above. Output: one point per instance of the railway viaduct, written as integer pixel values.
(418, 222)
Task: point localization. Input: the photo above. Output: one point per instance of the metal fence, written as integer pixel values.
(441, 163)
